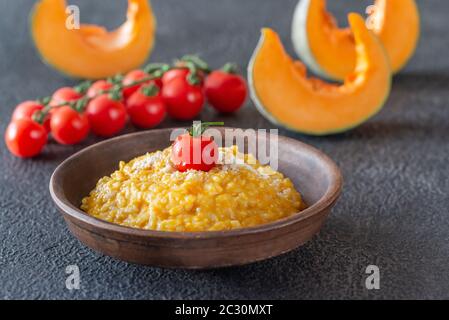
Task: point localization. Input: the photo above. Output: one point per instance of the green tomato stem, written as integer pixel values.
(199, 127)
(229, 67)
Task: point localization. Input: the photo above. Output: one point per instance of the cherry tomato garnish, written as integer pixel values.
(194, 153)
(184, 100)
(146, 108)
(106, 115)
(25, 138)
(69, 126)
(194, 150)
(97, 87)
(226, 92)
(65, 94)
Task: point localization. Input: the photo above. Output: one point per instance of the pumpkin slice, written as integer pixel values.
(91, 51)
(283, 93)
(329, 50)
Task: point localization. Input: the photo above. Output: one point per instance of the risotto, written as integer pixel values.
(148, 193)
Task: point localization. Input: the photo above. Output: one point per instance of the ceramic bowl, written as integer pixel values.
(314, 174)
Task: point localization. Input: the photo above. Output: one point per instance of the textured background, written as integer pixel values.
(393, 212)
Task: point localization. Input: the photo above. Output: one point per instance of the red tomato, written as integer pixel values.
(106, 116)
(47, 121)
(145, 111)
(226, 92)
(174, 73)
(26, 109)
(184, 101)
(65, 94)
(179, 73)
(25, 138)
(68, 126)
(157, 82)
(97, 87)
(131, 77)
(194, 153)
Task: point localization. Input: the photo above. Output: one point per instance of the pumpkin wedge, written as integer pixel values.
(91, 51)
(282, 91)
(329, 50)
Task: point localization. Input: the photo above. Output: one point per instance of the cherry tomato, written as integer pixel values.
(179, 73)
(68, 126)
(97, 87)
(157, 82)
(184, 101)
(146, 111)
(194, 153)
(226, 92)
(26, 109)
(59, 96)
(25, 138)
(174, 73)
(65, 94)
(106, 115)
(131, 77)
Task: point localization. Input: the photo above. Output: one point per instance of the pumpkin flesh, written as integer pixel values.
(91, 51)
(329, 49)
(281, 89)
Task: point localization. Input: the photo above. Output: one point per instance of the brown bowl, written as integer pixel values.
(313, 173)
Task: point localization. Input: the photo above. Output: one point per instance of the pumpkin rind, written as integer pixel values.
(92, 52)
(283, 93)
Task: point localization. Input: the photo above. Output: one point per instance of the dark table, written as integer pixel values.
(393, 213)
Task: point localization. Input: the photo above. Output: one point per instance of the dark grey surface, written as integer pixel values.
(393, 212)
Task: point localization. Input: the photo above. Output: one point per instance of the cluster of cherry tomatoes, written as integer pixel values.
(143, 96)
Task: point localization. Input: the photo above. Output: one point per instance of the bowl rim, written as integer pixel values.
(327, 200)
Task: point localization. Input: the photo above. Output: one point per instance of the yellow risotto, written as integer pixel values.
(148, 193)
